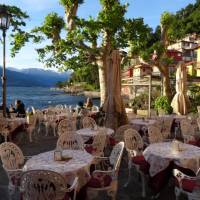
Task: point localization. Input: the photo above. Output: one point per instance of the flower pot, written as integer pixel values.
(161, 112)
(142, 112)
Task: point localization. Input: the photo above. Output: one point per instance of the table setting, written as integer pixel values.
(87, 133)
(69, 163)
(159, 156)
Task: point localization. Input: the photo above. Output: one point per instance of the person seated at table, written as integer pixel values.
(80, 106)
(100, 117)
(20, 108)
(12, 108)
(89, 103)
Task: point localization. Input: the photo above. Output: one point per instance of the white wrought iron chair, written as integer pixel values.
(46, 185)
(119, 134)
(5, 128)
(187, 185)
(31, 121)
(39, 120)
(154, 135)
(98, 144)
(50, 120)
(59, 106)
(30, 110)
(66, 125)
(70, 141)
(166, 127)
(107, 180)
(187, 130)
(88, 122)
(95, 109)
(134, 146)
(13, 161)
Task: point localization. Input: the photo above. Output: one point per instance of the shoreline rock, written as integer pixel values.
(79, 92)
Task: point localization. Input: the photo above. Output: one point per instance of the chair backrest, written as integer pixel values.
(11, 156)
(49, 115)
(43, 185)
(133, 140)
(5, 128)
(167, 124)
(186, 127)
(154, 134)
(59, 106)
(159, 123)
(39, 115)
(88, 122)
(99, 141)
(66, 125)
(95, 108)
(116, 156)
(70, 141)
(31, 109)
(119, 135)
(31, 120)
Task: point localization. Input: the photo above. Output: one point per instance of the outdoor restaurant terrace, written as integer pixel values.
(123, 124)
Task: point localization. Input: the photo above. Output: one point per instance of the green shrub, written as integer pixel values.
(162, 103)
(194, 102)
(88, 87)
(140, 102)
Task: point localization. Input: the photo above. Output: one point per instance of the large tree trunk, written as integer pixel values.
(167, 86)
(102, 79)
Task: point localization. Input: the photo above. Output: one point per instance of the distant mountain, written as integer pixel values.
(33, 77)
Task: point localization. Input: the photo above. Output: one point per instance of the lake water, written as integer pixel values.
(41, 97)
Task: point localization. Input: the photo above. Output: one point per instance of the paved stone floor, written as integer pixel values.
(131, 192)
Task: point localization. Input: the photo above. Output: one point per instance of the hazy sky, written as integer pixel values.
(150, 10)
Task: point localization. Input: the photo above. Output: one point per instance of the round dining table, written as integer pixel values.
(139, 123)
(87, 133)
(17, 121)
(159, 156)
(78, 165)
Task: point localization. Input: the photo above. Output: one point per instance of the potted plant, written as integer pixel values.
(140, 104)
(162, 105)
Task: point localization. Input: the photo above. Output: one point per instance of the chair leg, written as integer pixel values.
(54, 130)
(46, 128)
(30, 135)
(177, 193)
(129, 173)
(39, 127)
(143, 185)
(113, 191)
(91, 194)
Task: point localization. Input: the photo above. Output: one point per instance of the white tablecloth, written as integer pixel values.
(86, 133)
(139, 123)
(77, 166)
(177, 118)
(159, 156)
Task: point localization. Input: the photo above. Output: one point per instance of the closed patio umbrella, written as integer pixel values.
(180, 101)
(113, 106)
